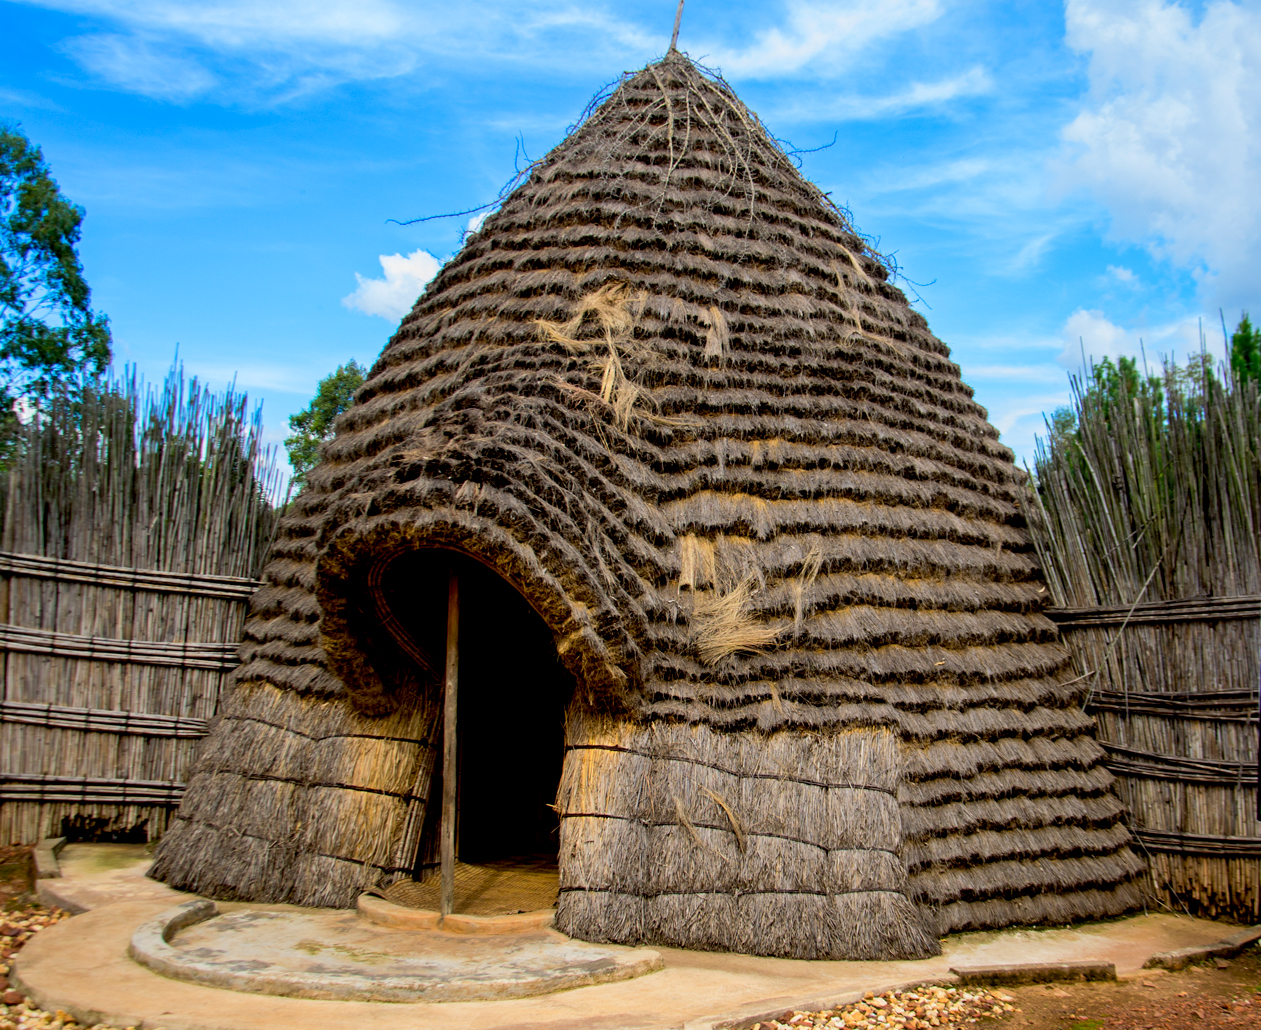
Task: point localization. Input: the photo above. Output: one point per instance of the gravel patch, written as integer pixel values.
(18, 926)
(915, 1009)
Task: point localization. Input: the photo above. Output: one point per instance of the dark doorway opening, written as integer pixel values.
(512, 696)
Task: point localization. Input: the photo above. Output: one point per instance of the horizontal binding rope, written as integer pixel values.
(734, 892)
(1215, 705)
(1192, 609)
(226, 588)
(23, 639)
(235, 832)
(730, 772)
(655, 824)
(1173, 842)
(101, 720)
(327, 736)
(1130, 761)
(88, 790)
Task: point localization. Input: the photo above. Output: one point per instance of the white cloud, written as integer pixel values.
(1098, 337)
(974, 82)
(285, 48)
(1123, 275)
(1028, 256)
(138, 66)
(930, 176)
(255, 377)
(1169, 138)
(235, 22)
(22, 98)
(915, 97)
(824, 34)
(477, 221)
(393, 296)
(282, 49)
(1035, 372)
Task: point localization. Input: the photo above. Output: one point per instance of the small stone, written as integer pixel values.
(12, 997)
(1221, 963)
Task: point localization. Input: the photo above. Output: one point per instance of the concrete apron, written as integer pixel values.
(340, 956)
(82, 966)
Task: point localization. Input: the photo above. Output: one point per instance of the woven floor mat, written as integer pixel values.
(492, 889)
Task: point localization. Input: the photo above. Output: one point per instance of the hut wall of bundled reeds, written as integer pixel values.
(134, 525)
(1148, 524)
(670, 396)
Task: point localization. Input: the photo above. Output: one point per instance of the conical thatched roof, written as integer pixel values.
(671, 395)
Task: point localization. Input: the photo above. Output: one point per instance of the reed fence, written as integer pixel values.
(135, 522)
(1146, 520)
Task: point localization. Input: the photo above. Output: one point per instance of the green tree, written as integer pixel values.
(1109, 385)
(48, 330)
(1245, 351)
(314, 424)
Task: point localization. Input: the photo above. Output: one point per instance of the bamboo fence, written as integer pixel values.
(135, 521)
(1146, 521)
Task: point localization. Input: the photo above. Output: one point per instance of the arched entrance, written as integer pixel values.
(511, 696)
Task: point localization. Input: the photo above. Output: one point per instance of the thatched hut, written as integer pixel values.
(723, 509)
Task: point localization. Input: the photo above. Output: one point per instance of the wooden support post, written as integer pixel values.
(450, 774)
(678, 17)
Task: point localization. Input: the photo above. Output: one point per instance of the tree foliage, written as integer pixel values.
(48, 330)
(314, 424)
(1245, 351)
(1108, 385)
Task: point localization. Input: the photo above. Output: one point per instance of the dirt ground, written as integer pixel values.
(1200, 996)
(17, 875)
(1221, 994)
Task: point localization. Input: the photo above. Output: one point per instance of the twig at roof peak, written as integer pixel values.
(678, 17)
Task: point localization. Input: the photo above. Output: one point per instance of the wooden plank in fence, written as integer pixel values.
(45, 788)
(1217, 705)
(64, 717)
(1190, 609)
(1199, 844)
(174, 654)
(227, 588)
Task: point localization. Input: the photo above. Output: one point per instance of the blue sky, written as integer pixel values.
(1055, 176)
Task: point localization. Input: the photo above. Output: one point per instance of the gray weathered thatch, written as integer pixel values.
(670, 395)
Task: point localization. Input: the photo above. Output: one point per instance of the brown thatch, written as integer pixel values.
(670, 395)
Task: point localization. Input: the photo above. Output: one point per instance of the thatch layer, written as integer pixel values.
(669, 393)
(780, 844)
(303, 800)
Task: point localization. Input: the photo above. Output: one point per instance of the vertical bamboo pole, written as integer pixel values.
(449, 772)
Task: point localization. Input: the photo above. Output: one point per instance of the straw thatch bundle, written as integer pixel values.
(670, 395)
